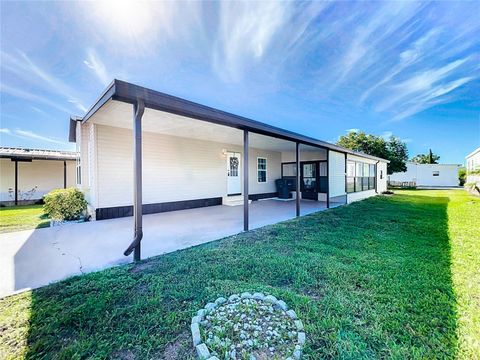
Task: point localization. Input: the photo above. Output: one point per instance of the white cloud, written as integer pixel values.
(28, 134)
(23, 67)
(4, 88)
(352, 130)
(32, 135)
(94, 63)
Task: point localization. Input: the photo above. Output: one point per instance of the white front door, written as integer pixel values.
(234, 185)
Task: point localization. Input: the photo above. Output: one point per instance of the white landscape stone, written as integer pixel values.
(220, 301)
(299, 325)
(282, 305)
(258, 296)
(209, 307)
(292, 314)
(246, 295)
(195, 334)
(271, 299)
(196, 319)
(203, 352)
(301, 338)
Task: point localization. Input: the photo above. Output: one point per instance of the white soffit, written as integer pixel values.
(120, 114)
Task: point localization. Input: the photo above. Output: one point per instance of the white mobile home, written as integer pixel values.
(142, 147)
(472, 162)
(441, 175)
(28, 174)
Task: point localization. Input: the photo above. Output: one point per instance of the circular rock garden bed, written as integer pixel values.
(247, 327)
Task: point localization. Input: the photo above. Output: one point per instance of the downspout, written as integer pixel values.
(139, 109)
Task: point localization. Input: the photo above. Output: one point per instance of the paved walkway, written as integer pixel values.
(34, 258)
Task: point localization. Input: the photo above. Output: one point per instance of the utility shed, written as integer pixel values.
(26, 175)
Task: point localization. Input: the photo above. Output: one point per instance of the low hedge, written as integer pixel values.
(65, 204)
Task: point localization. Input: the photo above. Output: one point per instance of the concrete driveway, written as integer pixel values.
(33, 258)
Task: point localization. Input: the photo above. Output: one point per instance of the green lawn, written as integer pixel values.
(389, 277)
(22, 217)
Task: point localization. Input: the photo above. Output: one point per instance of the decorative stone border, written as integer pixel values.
(200, 319)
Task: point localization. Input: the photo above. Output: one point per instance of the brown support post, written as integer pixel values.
(245, 180)
(328, 180)
(64, 174)
(297, 179)
(16, 182)
(138, 110)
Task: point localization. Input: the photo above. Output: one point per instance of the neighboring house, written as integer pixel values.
(28, 174)
(472, 162)
(184, 155)
(441, 175)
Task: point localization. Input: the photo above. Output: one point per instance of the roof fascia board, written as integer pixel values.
(130, 93)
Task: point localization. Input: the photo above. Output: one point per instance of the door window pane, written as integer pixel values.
(233, 166)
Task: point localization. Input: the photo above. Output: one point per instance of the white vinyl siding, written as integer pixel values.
(174, 168)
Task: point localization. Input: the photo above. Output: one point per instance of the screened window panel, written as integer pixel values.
(350, 184)
(289, 169)
(323, 169)
(358, 169)
(358, 184)
(372, 170)
(365, 183)
(366, 170)
(351, 169)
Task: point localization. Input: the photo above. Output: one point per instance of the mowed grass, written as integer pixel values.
(388, 277)
(22, 217)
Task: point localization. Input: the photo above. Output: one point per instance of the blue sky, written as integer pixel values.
(321, 69)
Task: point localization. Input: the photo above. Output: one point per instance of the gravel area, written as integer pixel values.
(247, 326)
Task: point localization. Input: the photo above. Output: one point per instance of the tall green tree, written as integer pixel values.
(429, 158)
(392, 149)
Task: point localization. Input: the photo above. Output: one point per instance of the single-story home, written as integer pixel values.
(28, 174)
(472, 162)
(143, 151)
(427, 175)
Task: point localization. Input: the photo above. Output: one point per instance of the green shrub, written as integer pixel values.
(65, 204)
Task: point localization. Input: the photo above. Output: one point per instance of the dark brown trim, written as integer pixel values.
(255, 197)
(328, 179)
(16, 181)
(64, 174)
(245, 181)
(297, 180)
(29, 158)
(123, 211)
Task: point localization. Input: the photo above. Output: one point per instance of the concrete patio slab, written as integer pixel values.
(33, 258)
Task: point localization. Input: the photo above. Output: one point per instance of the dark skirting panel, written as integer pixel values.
(255, 197)
(123, 211)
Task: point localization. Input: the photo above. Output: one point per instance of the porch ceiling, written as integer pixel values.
(120, 114)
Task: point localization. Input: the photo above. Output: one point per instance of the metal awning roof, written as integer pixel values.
(131, 93)
(36, 154)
